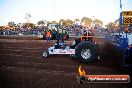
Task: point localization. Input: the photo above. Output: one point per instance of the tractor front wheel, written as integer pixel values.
(45, 54)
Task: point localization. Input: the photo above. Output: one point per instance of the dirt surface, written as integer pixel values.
(22, 66)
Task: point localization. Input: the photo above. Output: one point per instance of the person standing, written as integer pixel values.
(48, 35)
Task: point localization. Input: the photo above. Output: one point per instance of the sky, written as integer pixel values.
(105, 10)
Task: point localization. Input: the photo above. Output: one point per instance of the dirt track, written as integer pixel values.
(21, 66)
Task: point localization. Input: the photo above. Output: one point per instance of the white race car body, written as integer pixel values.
(52, 50)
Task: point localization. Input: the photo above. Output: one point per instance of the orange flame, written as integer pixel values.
(81, 71)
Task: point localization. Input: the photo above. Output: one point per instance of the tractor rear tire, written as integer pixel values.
(86, 52)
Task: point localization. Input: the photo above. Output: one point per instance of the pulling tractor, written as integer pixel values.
(84, 48)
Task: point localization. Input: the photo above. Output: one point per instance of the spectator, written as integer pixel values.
(48, 35)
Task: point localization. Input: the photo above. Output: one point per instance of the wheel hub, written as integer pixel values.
(45, 54)
(85, 53)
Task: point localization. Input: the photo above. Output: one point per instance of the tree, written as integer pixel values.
(113, 25)
(2, 27)
(61, 21)
(28, 25)
(76, 21)
(27, 17)
(86, 21)
(68, 22)
(41, 23)
(117, 21)
(110, 25)
(54, 22)
(11, 24)
(98, 22)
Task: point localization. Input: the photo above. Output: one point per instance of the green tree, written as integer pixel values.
(27, 25)
(2, 27)
(68, 22)
(61, 21)
(117, 21)
(54, 22)
(110, 25)
(11, 24)
(86, 21)
(98, 22)
(42, 22)
(113, 25)
(76, 20)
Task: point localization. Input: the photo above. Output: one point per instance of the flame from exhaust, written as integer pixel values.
(81, 71)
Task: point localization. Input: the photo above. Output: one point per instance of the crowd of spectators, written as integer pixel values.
(73, 31)
(21, 31)
(98, 31)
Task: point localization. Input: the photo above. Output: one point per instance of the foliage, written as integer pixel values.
(86, 21)
(67, 22)
(11, 24)
(41, 22)
(61, 21)
(54, 22)
(98, 22)
(27, 25)
(77, 19)
(2, 27)
(113, 25)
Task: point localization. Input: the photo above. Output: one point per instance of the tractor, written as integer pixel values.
(84, 48)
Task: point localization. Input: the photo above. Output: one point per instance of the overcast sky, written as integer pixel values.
(105, 10)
